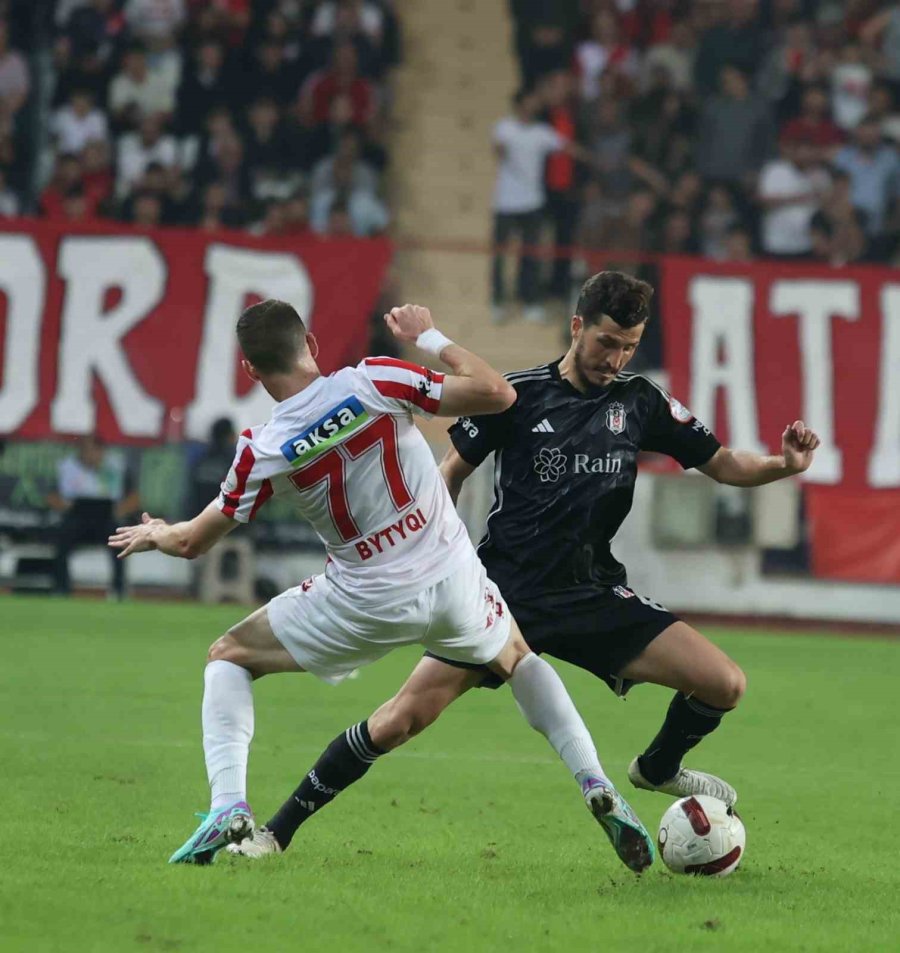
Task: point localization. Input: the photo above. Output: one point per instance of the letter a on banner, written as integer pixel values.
(722, 356)
(234, 273)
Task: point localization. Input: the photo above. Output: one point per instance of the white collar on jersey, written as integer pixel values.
(298, 399)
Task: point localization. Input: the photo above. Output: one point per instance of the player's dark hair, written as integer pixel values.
(624, 298)
(272, 336)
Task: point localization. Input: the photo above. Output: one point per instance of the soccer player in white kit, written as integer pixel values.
(401, 568)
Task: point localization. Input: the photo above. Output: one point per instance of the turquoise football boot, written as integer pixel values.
(229, 826)
(633, 845)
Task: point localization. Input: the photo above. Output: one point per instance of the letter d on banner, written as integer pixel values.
(233, 274)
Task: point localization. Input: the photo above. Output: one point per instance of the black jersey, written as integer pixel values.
(564, 470)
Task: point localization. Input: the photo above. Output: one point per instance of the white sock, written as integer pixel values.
(227, 731)
(543, 700)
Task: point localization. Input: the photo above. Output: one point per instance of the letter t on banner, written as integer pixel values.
(816, 302)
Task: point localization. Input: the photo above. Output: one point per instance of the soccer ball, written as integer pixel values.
(701, 835)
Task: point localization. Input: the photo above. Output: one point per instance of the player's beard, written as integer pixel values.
(589, 387)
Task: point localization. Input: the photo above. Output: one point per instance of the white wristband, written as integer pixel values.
(432, 342)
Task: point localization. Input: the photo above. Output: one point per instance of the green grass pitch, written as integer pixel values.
(471, 838)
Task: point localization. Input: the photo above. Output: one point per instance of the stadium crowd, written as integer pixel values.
(261, 114)
(727, 128)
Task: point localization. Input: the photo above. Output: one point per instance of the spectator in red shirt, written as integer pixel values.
(562, 200)
(296, 216)
(77, 206)
(814, 124)
(340, 79)
(98, 178)
(67, 174)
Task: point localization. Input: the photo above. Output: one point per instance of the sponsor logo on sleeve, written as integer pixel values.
(468, 426)
(426, 383)
(325, 432)
(679, 411)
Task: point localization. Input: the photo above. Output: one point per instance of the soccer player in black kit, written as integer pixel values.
(565, 463)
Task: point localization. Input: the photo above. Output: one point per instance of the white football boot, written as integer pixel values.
(260, 844)
(685, 783)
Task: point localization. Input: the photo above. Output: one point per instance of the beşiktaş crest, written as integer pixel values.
(615, 417)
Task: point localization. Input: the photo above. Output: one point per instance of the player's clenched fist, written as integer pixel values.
(798, 443)
(408, 322)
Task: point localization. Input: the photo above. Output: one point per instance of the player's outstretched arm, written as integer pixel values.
(740, 468)
(187, 540)
(474, 386)
(454, 472)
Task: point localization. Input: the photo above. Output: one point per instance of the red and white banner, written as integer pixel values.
(131, 333)
(751, 348)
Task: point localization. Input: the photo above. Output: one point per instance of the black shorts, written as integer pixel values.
(598, 628)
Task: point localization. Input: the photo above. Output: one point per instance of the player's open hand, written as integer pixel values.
(135, 539)
(408, 322)
(798, 443)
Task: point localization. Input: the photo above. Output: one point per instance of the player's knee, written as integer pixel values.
(738, 684)
(512, 653)
(732, 686)
(399, 720)
(226, 649)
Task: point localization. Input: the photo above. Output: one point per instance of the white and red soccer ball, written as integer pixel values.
(701, 835)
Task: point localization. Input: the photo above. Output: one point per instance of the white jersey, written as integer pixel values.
(346, 452)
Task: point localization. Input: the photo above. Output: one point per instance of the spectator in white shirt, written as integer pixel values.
(93, 495)
(791, 190)
(522, 145)
(78, 123)
(606, 52)
(368, 16)
(850, 82)
(154, 18)
(136, 91)
(138, 149)
(368, 214)
(675, 59)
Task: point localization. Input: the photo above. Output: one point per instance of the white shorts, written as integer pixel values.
(462, 618)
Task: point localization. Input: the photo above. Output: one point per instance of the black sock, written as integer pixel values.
(344, 761)
(687, 722)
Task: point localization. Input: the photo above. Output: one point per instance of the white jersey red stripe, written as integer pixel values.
(346, 453)
(391, 378)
